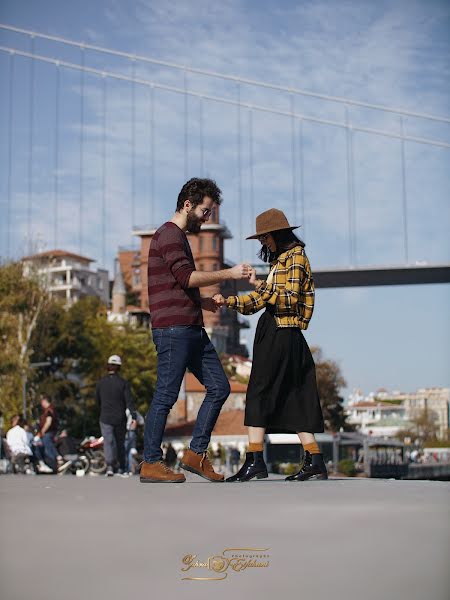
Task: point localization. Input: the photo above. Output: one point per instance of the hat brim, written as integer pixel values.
(255, 236)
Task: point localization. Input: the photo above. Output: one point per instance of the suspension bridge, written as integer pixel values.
(96, 140)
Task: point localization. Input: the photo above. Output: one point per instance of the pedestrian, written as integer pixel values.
(170, 456)
(48, 426)
(235, 457)
(131, 440)
(282, 391)
(19, 446)
(181, 341)
(113, 396)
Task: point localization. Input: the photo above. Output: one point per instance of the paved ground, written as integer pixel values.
(69, 538)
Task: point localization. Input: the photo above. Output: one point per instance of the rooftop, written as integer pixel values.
(58, 254)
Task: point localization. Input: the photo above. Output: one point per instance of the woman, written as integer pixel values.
(282, 391)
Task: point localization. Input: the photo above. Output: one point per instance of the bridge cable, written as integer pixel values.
(302, 179)
(202, 164)
(350, 187)
(133, 150)
(186, 116)
(294, 159)
(30, 147)
(404, 193)
(152, 149)
(104, 121)
(250, 136)
(239, 160)
(81, 182)
(56, 159)
(10, 152)
(297, 91)
(229, 101)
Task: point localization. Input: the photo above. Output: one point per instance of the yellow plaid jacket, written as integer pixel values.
(291, 292)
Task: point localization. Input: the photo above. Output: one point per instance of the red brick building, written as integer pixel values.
(208, 250)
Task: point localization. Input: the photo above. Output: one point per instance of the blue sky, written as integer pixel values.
(395, 53)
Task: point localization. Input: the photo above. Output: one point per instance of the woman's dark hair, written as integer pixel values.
(285, 239)
(196, 189)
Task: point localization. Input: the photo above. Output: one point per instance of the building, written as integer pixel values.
(121, 312)
(68, 276)
(192, 394)
(207, 247)
(436, 401)
(385, 413)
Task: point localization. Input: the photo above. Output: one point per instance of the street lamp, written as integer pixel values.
(35, 365)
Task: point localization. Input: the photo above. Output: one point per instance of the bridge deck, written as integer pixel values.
(371, 276)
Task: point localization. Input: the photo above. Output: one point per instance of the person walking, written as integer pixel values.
(114, 396)
(282, 391)
(179, 336)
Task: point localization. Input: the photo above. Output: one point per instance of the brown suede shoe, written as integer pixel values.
(200, 465)
(159, 472)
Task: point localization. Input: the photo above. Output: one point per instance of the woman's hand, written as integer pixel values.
(252, 277)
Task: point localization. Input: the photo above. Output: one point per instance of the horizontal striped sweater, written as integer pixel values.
(170, 264)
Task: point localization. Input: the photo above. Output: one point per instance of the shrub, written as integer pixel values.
(347, 467)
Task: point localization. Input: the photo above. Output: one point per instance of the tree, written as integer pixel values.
(22, 301)
(329, 383)
(80, 339)
(423, 427)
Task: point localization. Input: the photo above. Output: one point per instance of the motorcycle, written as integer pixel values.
(92, 448)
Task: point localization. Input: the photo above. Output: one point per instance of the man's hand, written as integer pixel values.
(241, 271)
(133, 424)
(209, 304)
(219, 299)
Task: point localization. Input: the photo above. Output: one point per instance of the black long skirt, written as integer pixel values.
(282, 392)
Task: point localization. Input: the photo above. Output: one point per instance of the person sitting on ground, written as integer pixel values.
(17, 440)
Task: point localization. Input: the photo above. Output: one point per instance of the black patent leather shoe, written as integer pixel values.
(254, 466)
(313, 468)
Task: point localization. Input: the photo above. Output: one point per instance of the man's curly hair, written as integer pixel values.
(196, 189)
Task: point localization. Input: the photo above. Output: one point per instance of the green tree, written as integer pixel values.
(423, 426)
(80, 340)
(329, 383)
(22, 302)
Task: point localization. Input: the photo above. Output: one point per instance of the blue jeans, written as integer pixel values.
(178, 348)
(50, 451)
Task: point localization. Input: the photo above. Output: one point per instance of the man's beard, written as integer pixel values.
(194, 223)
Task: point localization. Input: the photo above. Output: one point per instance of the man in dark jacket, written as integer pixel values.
(114, 397)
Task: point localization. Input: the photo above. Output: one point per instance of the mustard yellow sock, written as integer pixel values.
(255, 447)
(312, 448)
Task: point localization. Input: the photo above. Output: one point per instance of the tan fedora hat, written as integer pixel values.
(271, 220)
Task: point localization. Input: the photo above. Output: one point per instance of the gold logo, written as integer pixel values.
(231, 560)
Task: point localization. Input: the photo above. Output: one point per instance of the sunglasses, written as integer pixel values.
(206, 212)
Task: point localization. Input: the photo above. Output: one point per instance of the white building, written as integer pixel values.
(384, 413)
(68, 276)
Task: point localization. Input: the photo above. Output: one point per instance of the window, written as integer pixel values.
(214, 243)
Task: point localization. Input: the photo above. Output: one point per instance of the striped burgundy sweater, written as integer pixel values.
(170, 264)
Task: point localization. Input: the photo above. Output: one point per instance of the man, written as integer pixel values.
(19, 446)
(48, 426)
(180, 339)
(113, 398)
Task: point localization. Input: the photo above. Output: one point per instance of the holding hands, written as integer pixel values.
(210, 304)
(242, 271)
(219, 300)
